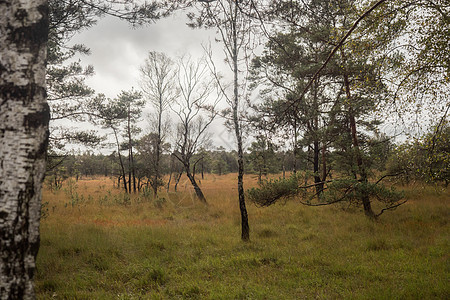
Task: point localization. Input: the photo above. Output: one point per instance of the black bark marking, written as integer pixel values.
(30, 37)
(3, 215)
(37, 119)
(27, 35)
(21, 15)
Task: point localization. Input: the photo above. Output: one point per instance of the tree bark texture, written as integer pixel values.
(295, 147)
(158, 150)
(197, 189)
(361, 168)
(324, 163)
(245, 229)
(316, 163)
(129, 149)
(121, 162)
(178, 180)
(24, 118)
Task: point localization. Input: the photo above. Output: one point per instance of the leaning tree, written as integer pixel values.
(196, 87)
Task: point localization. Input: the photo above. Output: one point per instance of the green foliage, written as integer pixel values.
(72, 194)
(53, 182)
(147, 193)
(69, 96)
(108, 199)
(262, 157)
(352, 191)
(273, 190)
(349, 190)
(426, 159)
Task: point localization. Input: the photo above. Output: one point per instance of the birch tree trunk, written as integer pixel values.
(245, 229)
(24, 117)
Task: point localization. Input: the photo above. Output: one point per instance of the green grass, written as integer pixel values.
(190, 251)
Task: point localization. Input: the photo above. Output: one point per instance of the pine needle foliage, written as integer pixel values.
(348, 190)
(270, 191)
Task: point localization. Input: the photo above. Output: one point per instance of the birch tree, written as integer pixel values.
(24, 118)
(158, 85)
(234, 30)
(196, 87)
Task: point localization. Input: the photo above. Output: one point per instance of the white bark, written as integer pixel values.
(24, 117)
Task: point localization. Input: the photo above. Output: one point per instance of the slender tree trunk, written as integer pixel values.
(362, 171)
(245, 229)
(129, 172)
(316, 147)
(168, 181)
(121, 162)
(295, 147)
(197, 189)
(129, 149)
(324, 162)
(178, 180)
(133, 170)
(158, 151)
(24, 119)
(316, 163)
(219, 168)
(170, 172)
(203, 166)
(132, 173)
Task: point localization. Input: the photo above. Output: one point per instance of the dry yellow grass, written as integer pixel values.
(96, 199)
(98, 244)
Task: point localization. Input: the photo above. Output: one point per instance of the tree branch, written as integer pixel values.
(339, 45)
(390, 207)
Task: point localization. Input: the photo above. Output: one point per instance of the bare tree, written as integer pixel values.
(24, 118)
(159, 87)
(196, 87)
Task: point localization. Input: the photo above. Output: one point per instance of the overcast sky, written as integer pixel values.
(118, 50)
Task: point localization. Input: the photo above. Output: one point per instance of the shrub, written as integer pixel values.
(272, 190)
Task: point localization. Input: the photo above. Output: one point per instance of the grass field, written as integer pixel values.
(97, 243)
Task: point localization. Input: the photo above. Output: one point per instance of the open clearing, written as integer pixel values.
(97, 243)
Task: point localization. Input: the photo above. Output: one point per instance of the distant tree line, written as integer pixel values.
(423, 160)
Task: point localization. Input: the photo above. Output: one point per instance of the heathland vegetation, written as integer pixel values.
(160, 216)
(336, 178)
(98, 242)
